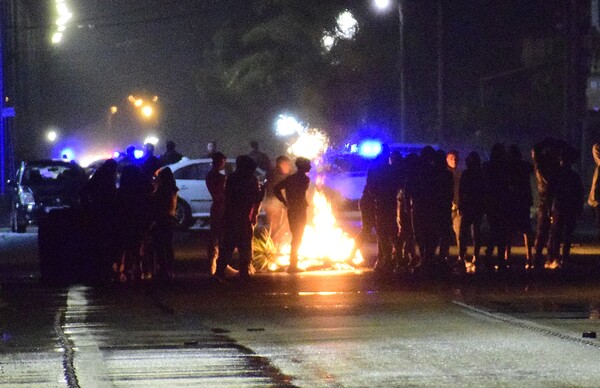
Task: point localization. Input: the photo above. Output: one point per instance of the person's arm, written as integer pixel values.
(278, 191)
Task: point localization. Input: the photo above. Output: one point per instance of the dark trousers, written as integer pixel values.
(235, 236)
(470, 230)
(561, 230)
(543, 231)
(297, 220)
(387, 233)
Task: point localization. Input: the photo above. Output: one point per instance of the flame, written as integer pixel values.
(324, 244)
(553, 264)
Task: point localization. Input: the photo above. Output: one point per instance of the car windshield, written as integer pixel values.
(50, 175)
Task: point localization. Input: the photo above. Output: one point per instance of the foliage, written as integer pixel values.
(264, 251)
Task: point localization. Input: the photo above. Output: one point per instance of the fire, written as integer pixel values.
(324, 243)
(552, 264)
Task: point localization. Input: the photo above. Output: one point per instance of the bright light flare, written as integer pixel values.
(369, 148)
(52, 136)
(86, 160)
(138, 102)
(67, 154)
(114, 109)
(151, 140)
(382, 5)
(288, 126)
(63, 17)
(328, 41)
(147, 111)
(347, 25)
(57, 37)
(310, 144)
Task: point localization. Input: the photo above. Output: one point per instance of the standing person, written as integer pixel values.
(215, 182)
(471, 195)
(406, 236)
(366, 206)
(420, 190)
(211, 148)
(98, 200)
(452, 160)
(295, 187)
(171, 155)
(594, 196)
(133, 207)
(164, 203)
(260, 158)
(383, 184)
(276, 215)
(566, 208)
(243, 195)
(128, 159)
(546, 164)
(496, 183)
(520, 202)
(149, 163)
(443, 192)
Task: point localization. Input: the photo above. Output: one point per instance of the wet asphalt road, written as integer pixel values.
(324, 329)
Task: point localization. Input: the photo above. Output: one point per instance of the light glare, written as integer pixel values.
(147, 111)
(288, 125)
(151, 140)
(347, 25)
(382, 4)
(52, 136)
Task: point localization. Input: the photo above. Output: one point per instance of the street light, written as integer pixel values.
(51, 136)
(384, 5)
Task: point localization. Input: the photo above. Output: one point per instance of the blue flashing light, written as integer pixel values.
(67, 154)
(138, 154)
(369, 148)
(116, 154)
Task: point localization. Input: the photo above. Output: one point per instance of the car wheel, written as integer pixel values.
(183, 215)
(15, 225)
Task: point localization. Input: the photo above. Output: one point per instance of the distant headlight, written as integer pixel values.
(26, 196)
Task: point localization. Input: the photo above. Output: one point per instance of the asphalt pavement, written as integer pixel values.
(314, 329)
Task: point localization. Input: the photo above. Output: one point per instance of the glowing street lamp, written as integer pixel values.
(51, 136)
(147, 111)
(114, 109)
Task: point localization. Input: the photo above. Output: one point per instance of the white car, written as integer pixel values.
(194, 200)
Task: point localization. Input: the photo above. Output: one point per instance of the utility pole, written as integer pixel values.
(576, 69)
(402, 80)
(5, 112)
(2, 118)
(440, 72)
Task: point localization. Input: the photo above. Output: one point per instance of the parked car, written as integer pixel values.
(194, 200)
(40, 186)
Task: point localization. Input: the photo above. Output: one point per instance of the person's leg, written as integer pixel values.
(297, 221)
(226, 247)
(569, 227)
(244, 246)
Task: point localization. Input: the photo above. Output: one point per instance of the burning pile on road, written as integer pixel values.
(324, 245)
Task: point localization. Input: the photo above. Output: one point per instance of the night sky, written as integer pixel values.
(153, 47)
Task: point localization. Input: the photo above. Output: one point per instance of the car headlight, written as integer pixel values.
(26, 197)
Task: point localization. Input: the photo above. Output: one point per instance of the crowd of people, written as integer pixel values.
(131, 226)
(418, 205)
(237, 199)
(421, 204)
